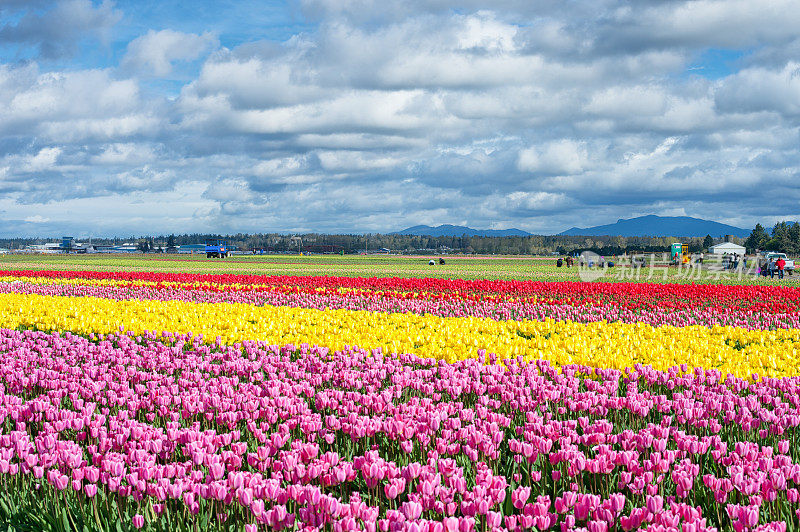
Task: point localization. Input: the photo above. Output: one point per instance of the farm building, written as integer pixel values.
(727, 247)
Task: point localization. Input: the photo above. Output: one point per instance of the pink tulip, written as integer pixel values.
(257, 507)
(519, 496)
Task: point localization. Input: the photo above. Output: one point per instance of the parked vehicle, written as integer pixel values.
(764, 258)
(679, 253)
(217, 249)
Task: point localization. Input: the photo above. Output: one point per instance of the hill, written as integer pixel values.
(458, 230)
(653, 225)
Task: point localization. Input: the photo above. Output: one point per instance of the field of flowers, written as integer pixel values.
(185, 401)
(462, 267)
(329, 265)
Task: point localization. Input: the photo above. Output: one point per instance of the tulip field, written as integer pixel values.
(168, 400)
(508, 267)
(540, 268)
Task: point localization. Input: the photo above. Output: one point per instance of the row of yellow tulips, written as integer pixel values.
(610, 345)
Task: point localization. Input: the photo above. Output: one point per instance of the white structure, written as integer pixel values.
(127, 247)
(50, 247)
(727, 247)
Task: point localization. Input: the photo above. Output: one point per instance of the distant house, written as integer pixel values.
(727, 247)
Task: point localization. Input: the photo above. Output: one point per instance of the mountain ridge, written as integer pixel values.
(650, 225)
(458, 230)
(659, 226)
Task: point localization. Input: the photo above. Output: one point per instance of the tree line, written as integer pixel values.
(785, 236)
(354, 243)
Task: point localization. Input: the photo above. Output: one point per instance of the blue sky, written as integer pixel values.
(715, 64)
(137, 117)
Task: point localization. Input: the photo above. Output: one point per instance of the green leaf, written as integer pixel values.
(65, 520)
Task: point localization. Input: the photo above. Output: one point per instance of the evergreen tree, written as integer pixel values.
(781, 235)
(780, 240)
(757, 239)
(708, 242)
(794, 237)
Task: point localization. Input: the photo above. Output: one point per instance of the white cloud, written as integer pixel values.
(58, 31)
(366, 110)
(156, 51)
(357, 141)
(280, 166)
(68, 106)
(124, 153)
(255, 83)
(484, 31)
(230, 190)
(44, 160)
(36, 219)
(627, 101)
(719, 23)
(760, 89)
(354, 161)
(144, 178)
(379, 116)
(82, 93)
(555, 158)
(102, 129)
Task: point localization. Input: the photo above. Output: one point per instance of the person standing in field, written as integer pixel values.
(780, 265)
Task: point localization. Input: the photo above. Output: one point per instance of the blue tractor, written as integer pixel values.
(217, 249)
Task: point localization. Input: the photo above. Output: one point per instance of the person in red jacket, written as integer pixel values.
(780, 264)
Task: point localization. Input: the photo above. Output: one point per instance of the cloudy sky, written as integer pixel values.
(136, 117)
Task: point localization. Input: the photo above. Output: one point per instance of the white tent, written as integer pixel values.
(727, 247)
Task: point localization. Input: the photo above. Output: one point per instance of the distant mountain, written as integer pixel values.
(458, 230)
(660, 226)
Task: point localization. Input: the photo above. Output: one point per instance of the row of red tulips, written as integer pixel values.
(627, 296)
(498, 309)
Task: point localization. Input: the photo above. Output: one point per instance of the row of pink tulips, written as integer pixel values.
(167, 430)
